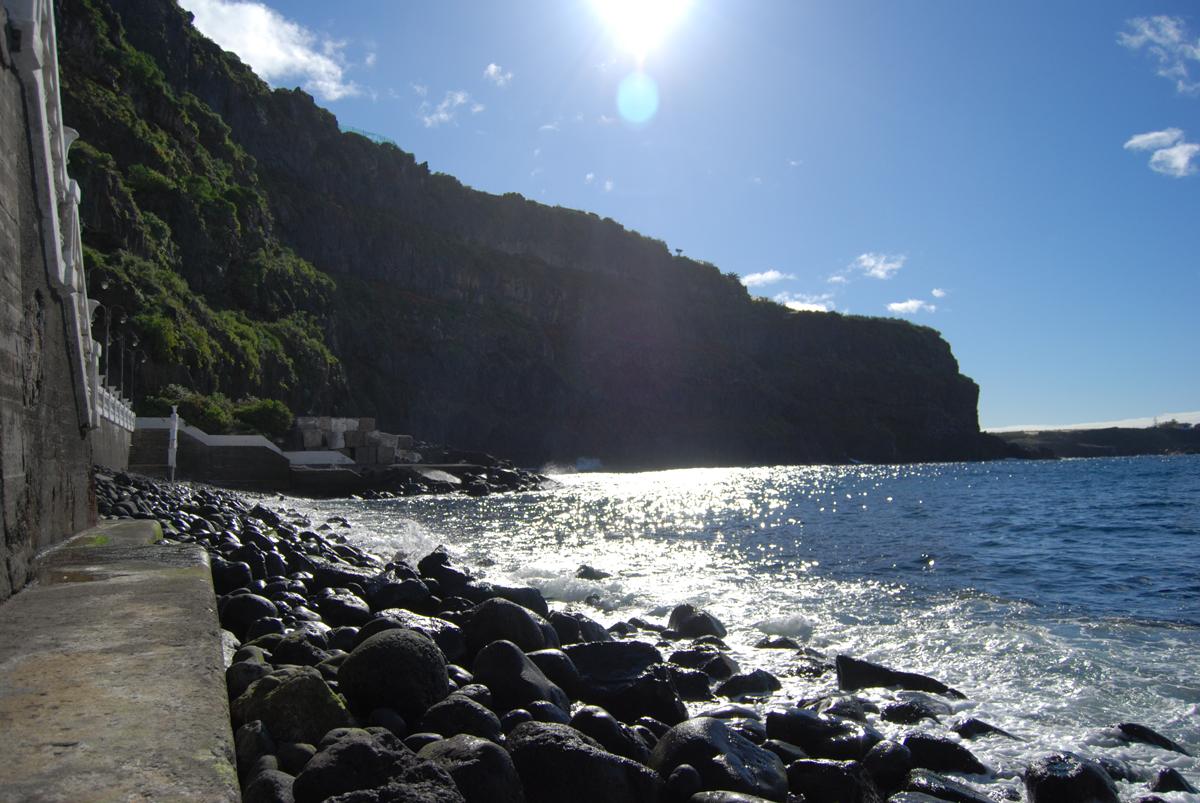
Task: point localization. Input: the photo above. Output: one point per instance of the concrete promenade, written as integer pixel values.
(112, 675)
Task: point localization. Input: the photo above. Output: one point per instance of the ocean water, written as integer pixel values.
(1061, 597)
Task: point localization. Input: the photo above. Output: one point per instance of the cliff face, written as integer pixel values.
(346, 276)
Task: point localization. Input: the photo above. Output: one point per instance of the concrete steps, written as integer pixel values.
(112, 675)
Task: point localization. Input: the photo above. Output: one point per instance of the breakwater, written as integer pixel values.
(438, 679)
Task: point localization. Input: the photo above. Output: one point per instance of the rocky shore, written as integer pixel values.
(352, 678)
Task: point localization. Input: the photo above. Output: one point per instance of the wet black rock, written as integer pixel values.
(439, 566)
(908, 712)
(777, 643)
(758, 683)
(614, 736)
(398, 669)
(555, 665)
(724, 759)
(545, 711)
(585, 572)
(692, 684)
(822, 736)
(295, 704)
(709, 660)
(228, 575)
(457, 714)
(365, 761)
(482, 771)
(1168, 779)
(854, 674)
(298, 650)
(1066, 778)
(942, 755)
(270, 786)
(823, 779)
(1133, 732)
(925, 782)
(971, 728)
(241, 674)
(692, 623)
(574, 627)
(294, 756)
(557, 763)
(342, 608)
(888, 763)
(513, 679)
(447, 635)
(499, 619)
(683, 782)
(409, 593)
(237, 613)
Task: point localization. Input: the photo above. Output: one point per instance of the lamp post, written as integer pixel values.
(108, 313)
(127, 350)
(139, 358)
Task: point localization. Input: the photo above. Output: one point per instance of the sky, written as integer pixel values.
(1023, 176)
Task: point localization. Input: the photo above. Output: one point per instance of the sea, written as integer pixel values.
(1061, 597)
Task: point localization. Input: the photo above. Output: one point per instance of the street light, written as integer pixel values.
(132, 345)
(108, 313)
(133, 367)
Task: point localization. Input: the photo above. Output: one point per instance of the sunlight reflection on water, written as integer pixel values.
(1060, 597)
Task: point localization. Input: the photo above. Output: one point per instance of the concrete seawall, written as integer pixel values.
(112, 674)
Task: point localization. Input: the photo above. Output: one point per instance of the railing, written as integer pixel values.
(113, 408)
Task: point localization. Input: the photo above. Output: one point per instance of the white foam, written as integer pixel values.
(797, 626)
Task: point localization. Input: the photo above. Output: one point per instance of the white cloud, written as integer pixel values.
(794, 163)
(496, 74)
(604, 119)
(589, 178)
(1172, 155)
(608, 185)
(476, 108)
(1178, 161)
(370, 59)
(938, 292)
(879, 266)
(1168, 40)
(1154, 140)
(911, 307)
(803, 302)
(766, 277)
(420, 89)
(838, 278)
(276, 48)
(444, 112)
(549, 127)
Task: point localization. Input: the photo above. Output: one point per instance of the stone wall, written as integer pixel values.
(223, 462)
(45, 456)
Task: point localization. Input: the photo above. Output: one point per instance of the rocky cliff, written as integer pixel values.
(265, 251)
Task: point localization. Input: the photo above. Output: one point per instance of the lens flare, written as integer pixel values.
(637, 98)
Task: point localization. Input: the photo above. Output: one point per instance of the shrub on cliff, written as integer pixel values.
(267, 416)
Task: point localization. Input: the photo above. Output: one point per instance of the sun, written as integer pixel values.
(639, 26)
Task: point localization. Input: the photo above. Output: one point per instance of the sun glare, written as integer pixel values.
(639, 26)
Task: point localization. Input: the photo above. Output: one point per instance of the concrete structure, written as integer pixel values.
(112, 682)
(246, 461)
(50, 390)
(357, 438)
(112, 439)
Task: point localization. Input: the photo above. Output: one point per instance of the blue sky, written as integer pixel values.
(1022, 176)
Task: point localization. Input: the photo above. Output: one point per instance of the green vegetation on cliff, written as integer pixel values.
(261, 251)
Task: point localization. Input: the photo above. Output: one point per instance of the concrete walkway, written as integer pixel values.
(112, 676)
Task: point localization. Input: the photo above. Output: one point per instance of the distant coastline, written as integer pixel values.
(1170, 437)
